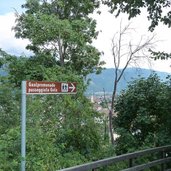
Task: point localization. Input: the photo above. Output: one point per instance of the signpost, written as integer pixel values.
(42, 87)
(39, 87)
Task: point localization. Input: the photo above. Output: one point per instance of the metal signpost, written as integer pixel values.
(39, 87)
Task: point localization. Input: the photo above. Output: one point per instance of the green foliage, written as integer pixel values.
(9, 146)
(62, 130)
(62, 30)
(155, 8)
(60, 34)
(159, 55)
(142, 115)
(9, 126)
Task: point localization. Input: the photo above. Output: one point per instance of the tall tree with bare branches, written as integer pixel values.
(124, 54)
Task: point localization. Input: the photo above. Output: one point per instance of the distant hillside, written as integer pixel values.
(105, 79)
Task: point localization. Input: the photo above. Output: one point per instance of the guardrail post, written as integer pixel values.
(130, 162)
(163, 155)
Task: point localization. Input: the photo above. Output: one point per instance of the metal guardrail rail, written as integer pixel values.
(163, 152)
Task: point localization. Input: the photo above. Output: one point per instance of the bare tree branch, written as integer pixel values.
(128, 53)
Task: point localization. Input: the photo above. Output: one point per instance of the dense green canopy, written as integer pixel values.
(62, 29)
(143, 115)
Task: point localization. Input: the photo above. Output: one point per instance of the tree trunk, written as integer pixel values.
(110, 127)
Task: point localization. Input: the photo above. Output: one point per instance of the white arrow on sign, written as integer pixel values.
(72, 87)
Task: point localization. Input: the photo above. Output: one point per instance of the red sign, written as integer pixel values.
(43, 87)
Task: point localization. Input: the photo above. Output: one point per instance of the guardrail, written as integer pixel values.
(162, 155)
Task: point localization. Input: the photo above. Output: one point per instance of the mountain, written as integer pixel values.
(105, 80)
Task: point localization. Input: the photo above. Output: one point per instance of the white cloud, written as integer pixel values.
(8, 42)
(108, 25)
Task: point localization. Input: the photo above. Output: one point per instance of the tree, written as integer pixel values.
(158, 10)
(60, 34)
(62, 128)
(124, 54)
(63, 30)
(142, 115)
(9, 119)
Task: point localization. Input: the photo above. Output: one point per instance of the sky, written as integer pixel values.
(107, 24)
